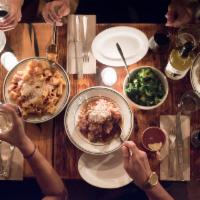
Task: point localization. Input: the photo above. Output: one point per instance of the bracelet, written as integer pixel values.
(31, 154)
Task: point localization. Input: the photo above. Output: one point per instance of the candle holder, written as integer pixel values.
(109, 76)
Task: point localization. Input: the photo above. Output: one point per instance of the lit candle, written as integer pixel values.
(109, 76)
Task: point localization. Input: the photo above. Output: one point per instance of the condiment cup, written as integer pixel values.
(153, 139)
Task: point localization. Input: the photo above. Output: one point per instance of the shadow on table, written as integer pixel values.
(80, 190)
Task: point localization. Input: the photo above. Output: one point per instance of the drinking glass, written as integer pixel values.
(189, 102)
(188, 33)
(4, 9)
(5, 121)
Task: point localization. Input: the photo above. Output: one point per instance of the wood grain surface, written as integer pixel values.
(51, 137)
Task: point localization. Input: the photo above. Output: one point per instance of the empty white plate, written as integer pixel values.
(103, 171)
(133, 42)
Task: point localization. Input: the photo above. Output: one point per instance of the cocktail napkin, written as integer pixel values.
(16, 165)
(74, 34)
(166, 123)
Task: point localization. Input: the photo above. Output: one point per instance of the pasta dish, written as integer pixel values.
(37, 88)
(99, 120)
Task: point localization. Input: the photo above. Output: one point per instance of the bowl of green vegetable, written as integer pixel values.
(146, 88)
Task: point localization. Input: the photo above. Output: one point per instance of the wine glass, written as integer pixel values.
(5, 121)
(189, 102)
(4, 9)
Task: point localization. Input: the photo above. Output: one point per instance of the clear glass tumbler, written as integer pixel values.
(6, 122)
(4, 9)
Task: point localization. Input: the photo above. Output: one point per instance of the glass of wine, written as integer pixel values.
(4, 9)
(6, 122)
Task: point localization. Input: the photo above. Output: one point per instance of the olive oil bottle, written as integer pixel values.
(180, 61)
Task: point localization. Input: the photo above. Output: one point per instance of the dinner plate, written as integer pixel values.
(134, 44)
(72, 115)
(62, 101)
(195, 75)
(103, 171)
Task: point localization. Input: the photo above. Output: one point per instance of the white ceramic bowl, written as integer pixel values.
(163, 80)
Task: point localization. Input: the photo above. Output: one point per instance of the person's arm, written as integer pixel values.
(178, 14)
(11, 21)
(47, 178)
(54, 11)
(137, 166)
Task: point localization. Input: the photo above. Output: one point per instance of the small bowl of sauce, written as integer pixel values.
(153, 139)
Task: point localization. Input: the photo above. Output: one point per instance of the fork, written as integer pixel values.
(52, 50)
(172, 138)
(85, 50)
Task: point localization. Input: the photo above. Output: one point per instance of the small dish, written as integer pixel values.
(104, 171)
(153, 139)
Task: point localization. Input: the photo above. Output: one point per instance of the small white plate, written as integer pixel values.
(195, 75)
(72, 115)
(103, 171)
(134, 44)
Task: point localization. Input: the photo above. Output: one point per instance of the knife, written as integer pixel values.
(179, 144)
(78, 47)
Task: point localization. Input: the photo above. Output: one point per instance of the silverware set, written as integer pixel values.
(80, 42)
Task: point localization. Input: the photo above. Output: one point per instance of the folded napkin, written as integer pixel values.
(166, 123)
(16, 165)
(76, 35)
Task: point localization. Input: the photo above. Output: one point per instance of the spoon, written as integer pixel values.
(123, 58)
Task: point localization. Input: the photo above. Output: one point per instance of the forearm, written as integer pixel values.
(158, 193)
(49, 181)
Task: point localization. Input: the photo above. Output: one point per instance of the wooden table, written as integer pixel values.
(50, 137)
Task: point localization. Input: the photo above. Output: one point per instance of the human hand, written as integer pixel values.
(11, 21)
(55, 10)
(136, 163)
(16, 136)
(178, 14)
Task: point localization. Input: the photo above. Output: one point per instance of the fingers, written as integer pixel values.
(10, 22)
(63, 11)
(170, 16)
(131, 147)
(126, 155)
(11, 109)
(178, 15)
(54, 11)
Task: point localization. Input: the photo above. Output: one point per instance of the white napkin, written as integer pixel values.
(88, 67)
(17, 164)
(166, 123)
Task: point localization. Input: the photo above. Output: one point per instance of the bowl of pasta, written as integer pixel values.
(97, 119)
(40, 89)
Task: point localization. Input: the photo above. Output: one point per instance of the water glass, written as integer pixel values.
(4, 9)
(190, 102)
(5, 121)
